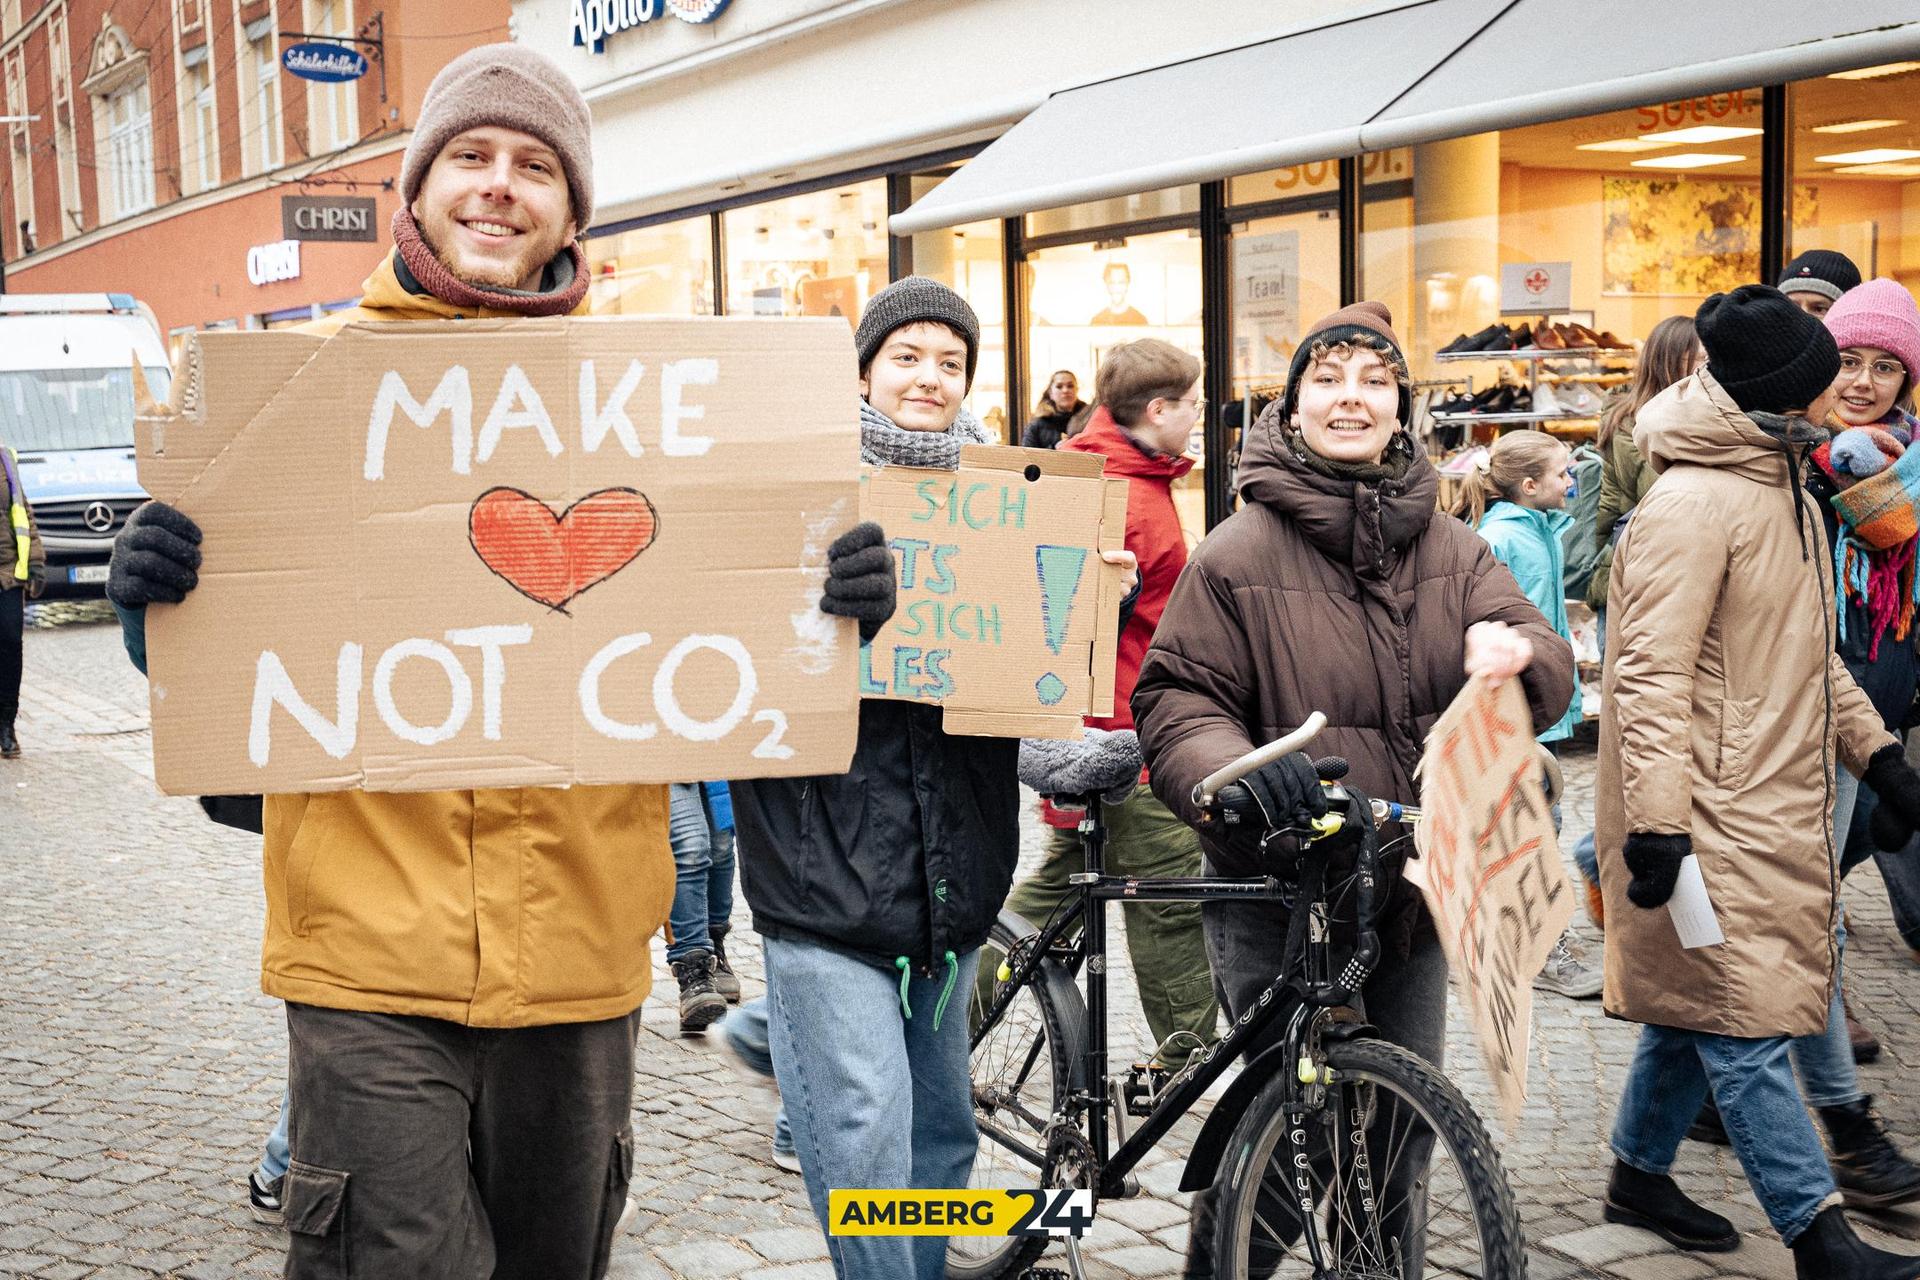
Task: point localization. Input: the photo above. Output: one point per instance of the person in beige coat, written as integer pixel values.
(1722, 712)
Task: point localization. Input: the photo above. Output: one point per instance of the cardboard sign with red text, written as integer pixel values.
(1007, 617)
(1490, 870)
(489, 553)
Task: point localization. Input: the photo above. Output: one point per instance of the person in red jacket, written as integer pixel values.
(1147, 402)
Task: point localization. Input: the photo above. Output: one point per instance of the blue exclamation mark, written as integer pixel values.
(1059, 569)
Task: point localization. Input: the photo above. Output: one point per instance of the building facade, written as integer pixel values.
(160, 148)
(1222, 175)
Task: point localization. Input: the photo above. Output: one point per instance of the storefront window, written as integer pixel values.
(662, 270)
(970, 259)
(1856, 170)
(1599, 227)
(1083, 300)
(819, 254)
(1169, 202)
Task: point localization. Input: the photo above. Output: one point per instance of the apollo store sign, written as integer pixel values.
(595, 20)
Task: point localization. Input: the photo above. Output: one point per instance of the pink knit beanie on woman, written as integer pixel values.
(1879, 313)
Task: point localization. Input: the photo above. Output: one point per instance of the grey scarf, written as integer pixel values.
(883, 444)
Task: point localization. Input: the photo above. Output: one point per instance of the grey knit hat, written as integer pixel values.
(512, 87)
(910, 301)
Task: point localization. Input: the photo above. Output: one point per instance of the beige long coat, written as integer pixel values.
(1723, 710)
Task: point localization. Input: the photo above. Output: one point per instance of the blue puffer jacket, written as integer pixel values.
(1529, 543)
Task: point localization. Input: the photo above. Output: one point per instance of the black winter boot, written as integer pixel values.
(1653, 1202)
(700, 1005)
(1870, 1171)
(1828, 1250)
(725, 980)
(9, 745)
(1708, 1127)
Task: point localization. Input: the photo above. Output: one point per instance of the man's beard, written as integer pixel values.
(489, 276)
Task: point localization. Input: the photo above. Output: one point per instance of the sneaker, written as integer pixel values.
(700, 1005)
(1545, 402)
(628, 1213)
(1568, 974)
(745, 1063)
(263, 1198)
(786, 1158)
(725, 980)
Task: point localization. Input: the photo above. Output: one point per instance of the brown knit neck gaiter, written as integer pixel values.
(434, 277)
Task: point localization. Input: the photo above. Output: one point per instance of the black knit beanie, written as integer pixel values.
(1820, 271)
(1769, 354)
(910, 301)
(1369, 322)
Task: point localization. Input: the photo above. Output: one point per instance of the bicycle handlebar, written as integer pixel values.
(1208, 788)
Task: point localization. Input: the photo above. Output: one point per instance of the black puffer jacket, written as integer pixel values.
(909, 853)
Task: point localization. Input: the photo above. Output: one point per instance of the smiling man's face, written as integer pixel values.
(495, 208)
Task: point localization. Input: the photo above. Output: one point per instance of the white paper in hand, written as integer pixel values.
(1693, 917)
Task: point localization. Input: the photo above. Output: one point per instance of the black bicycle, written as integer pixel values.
(1334, 1154)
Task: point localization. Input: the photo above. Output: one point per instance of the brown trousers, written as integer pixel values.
(426, 1149)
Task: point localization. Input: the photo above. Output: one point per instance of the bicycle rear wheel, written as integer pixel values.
(1024, 1061)
(1403, 1176)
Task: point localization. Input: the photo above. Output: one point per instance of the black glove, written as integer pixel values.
(1285, 793)
(36, 581)
(155, 558)
(860, 579)
(1898, 788)
(1655, 860)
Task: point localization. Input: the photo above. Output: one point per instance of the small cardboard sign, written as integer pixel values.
(484, 553)
(1007, 616)
(1490, 870)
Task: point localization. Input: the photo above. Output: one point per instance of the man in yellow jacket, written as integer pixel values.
(462, 969)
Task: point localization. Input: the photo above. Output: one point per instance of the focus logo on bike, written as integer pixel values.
(966, 1212)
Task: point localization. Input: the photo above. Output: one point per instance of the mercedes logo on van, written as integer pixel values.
(98, 517)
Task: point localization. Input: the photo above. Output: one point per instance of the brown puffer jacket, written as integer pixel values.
(1333, 596)
(1721, 707)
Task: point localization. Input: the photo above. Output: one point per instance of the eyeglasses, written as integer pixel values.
(1882, 370)
(1199, 403)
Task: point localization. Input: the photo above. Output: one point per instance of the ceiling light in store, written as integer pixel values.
(1623, 144)
(1872, 155)
(1883, 170)
(1701, 134)
(1856, 126)
(1688, 160)
(1874, 73)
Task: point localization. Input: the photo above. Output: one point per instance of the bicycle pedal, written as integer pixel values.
(1142, 1089)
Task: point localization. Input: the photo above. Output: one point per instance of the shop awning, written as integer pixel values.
(1417, 73)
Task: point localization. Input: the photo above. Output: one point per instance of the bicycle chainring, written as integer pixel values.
(1070, 1159)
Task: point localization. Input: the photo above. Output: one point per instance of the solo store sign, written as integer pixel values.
(595, 20)
(268, 263)
(329, 63)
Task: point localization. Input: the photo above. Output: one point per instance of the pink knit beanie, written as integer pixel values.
(511, 87)
(1879, 313)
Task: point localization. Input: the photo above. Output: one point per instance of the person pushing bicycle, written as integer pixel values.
(1337, 587)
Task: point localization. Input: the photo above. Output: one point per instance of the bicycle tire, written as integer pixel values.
(1048, 1006)
(1431, 1097)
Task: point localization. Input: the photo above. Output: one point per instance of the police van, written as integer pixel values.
(66, 410)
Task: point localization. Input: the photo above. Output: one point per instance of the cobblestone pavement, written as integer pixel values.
(140, 1068)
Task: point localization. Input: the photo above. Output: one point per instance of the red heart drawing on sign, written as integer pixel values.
(553, 558)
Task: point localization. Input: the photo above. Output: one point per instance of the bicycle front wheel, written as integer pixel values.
(1402, 1176)
(1023, 1061)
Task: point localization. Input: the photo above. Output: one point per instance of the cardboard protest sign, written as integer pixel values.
(1490, 870)
(481, 553)
(1007, 616)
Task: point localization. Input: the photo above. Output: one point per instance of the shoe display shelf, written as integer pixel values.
(1533, 358)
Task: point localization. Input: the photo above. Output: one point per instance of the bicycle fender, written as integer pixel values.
(1203, 1165)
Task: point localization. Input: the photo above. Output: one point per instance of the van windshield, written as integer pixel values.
(44, 410)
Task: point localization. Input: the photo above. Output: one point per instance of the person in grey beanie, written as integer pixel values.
(1815, 280)
(463, 970)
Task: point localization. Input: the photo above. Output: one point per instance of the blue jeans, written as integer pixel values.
(746, 1030)
(273, 1165)
(859, 1075)
(703, 873)
(1751, 1081)
(1824, 1060)
(1587, 858)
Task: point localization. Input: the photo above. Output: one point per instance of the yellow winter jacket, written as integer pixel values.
(504, 908)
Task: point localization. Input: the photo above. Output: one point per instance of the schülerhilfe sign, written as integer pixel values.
(492, 553)
(595, 20)
(1007, 617)
(328, 63)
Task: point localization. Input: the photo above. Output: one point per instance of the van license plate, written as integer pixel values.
(87, 573)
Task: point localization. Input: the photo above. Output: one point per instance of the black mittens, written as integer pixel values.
(156, 558)
(1898, 787)
(860, 583)
(1655, 862)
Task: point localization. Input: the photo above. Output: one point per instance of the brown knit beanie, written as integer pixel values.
(511, 87)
